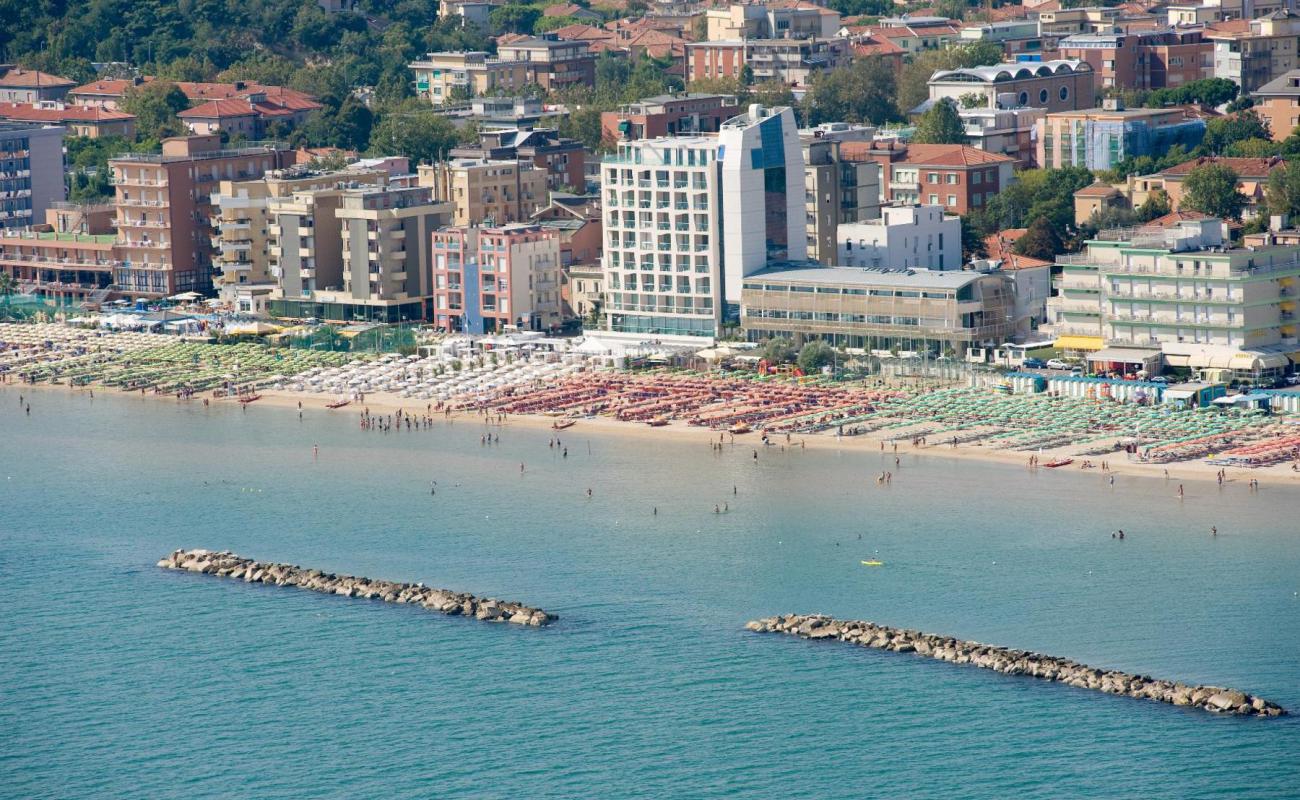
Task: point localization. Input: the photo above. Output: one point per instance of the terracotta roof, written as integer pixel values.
(999, 246)
(561, 10)
(217, 109)
(1244, 167)
(1097, 190)
(1232, 28)
(203, 92)
(19, 78)
(589, 33)
(876, 46)
(511, 38)
(29, 112)
(654, 37)
(952, 155)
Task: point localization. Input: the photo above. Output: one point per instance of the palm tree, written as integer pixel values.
(8, 286)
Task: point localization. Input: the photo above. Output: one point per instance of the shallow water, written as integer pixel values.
(118, 679)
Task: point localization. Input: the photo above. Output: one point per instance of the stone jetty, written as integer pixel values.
(228, 565)
(1017, 662)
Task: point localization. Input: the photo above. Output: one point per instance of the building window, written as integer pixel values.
(1024, 98)
(934, 177)
(1042, 95)
(1065, 92)
(952, 201)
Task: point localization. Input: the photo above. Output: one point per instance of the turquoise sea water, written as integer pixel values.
(120, 680)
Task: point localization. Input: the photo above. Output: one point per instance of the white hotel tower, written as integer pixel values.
(687, 217)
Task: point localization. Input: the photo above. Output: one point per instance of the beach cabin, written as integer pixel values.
(1284, 401)
(1112, 389)
(1194, 395)
(1026, 383)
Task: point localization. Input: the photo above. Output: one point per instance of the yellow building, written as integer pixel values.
(486, 190)
(456, 77)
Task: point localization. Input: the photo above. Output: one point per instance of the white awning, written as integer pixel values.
(1125, 355)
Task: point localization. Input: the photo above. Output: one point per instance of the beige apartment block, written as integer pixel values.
(485, 191)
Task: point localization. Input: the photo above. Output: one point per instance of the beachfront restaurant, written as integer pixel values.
(1126, 360)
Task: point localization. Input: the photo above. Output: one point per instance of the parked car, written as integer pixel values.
(1033, 363)
(1293, 380)
(1057, 363)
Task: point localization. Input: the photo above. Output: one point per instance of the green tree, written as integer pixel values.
(413, 130)
(778, 351)
(972, 244)
(1040, 241)
(1255, 148)
(913, 84)
(1212, 189)
(1283, 190)
(814, 355)
(155, 106)
(860, 92)
(940, 124)
(773, 93)
(7, 286)
(514, 18)
(1156, 205)
(1222, 132)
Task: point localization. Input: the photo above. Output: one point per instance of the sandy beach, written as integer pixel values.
(380, 403)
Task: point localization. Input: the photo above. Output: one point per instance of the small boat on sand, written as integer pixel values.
(338, 404)
(1061, 462)
(563, 424)
(740, 429)
(249, 398)
(657, 422)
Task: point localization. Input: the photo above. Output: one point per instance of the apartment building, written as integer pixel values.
(445, 78)
(1101, 138)
(108, 93)
(880, 311)
(385, 234)
(1179, 295)
(1016, 37)
(790, 61)
(251, 116)
(165, 210)
(1068, 21)
(686, 218)
(78, 120)
(752, 21)
(552, 63)
(74, 259)
(1061, 85)
(250, 215)
(904, 237)
(484, 191)
(1252, 179)
(564, 160)
(1278, 103)
(1143, 59)
(31, 172)
(487, 280)
(681, 114)
(1006, 131)
(1253, 52)
(956, 177)
(18, 85)
(837, 192)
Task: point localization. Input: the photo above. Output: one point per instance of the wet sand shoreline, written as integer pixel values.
(884, 443)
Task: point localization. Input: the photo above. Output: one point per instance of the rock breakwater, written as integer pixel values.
(228, 565)
(1017, 662)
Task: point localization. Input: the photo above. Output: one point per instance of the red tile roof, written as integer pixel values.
(203, 92)
(19, 78)
(30, 112)
(1000, 246)
(876, 46)
(952, 155)
(1097, 190)
(1244, 167)
(589, 33)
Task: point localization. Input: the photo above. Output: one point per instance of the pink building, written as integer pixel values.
(486, 279)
